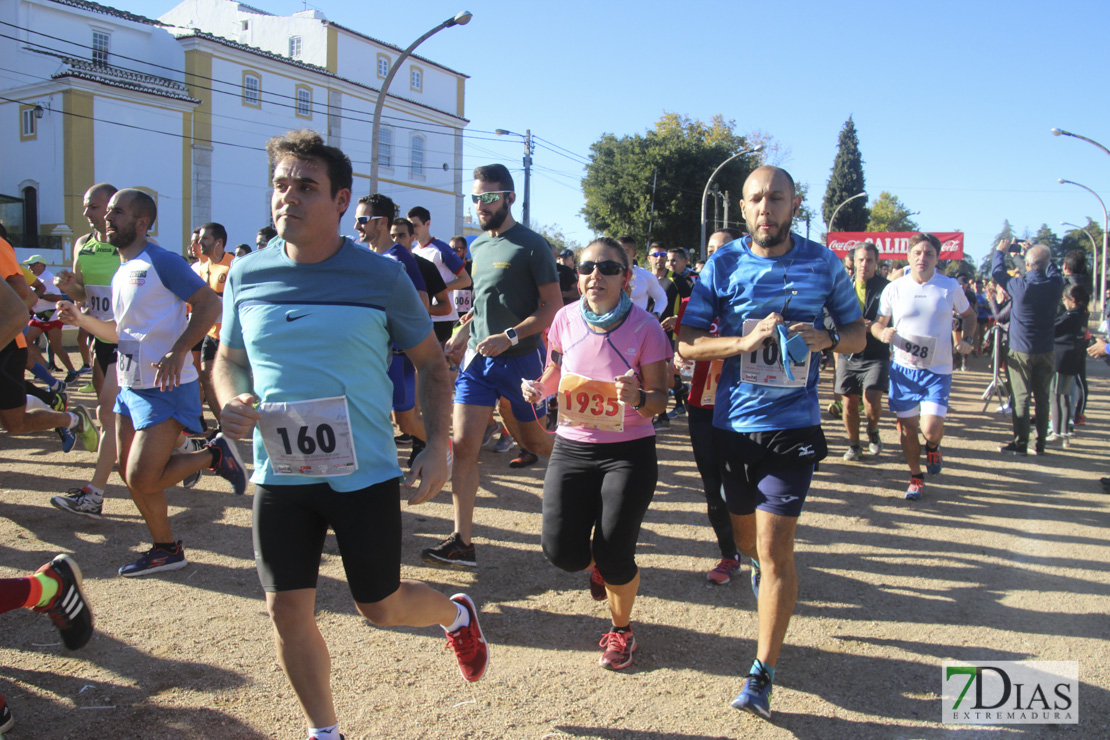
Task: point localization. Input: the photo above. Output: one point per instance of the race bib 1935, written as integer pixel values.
(585, 402)
(308, 437)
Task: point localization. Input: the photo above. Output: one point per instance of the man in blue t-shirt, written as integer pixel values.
(306, 341)
(767, 292)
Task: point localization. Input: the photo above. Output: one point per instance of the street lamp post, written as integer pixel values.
(705, 193)
(828, 226)
(526, 209)
(459, 20)
(1100, 279)
(1094, 245)
(1061, 132)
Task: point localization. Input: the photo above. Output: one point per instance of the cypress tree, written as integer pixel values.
(845, 181)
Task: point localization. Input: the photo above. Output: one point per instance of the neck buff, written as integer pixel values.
(612, 318)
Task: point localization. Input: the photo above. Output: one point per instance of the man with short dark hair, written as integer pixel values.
(213, 271)
(646, 291)
(265, 234)
(1031, 361)
(451, 269)
(865, 373)
(915, 317)
(516, 296)
(324, 453)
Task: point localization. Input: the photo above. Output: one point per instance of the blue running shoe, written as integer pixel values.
(755, 697)
(229, 465)
(156, 560)
(916, 487)
(67, 437)
(756, 576)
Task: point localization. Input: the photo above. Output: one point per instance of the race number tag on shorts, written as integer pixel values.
(764, 366)
(308, 437)
(712, 380)
(98, 298)
(129, 364)
(585, 402)
(919, 352)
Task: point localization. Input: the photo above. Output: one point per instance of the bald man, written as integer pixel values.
(762, 291)
(1030, 364)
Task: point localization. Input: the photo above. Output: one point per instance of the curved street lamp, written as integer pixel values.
(1062, 132)
(1100, 279)
(705, 193)
(459, 20)
(1077, 227)
(828, 226)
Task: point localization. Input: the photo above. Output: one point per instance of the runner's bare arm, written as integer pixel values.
(699, 344)
(657, 376)
(968, 328)
(231, 378)
(881, 329)
(105, 331)
(207, 307)
(73, 283)
(548, 382)
(551, 300)
(433, 384)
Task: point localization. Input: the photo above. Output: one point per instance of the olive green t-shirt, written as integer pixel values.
(508, 270)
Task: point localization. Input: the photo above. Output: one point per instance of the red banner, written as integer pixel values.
(895, 244)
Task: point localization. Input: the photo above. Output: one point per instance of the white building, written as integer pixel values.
(182, 106)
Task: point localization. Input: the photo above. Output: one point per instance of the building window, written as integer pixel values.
(244, 25)
(28, 124)
(304, 101)
(252, 90)
(30, 217)
(294, 47)
(383, 66)
(416, 157)
(416, 79)
(100, 44)
(385, 147)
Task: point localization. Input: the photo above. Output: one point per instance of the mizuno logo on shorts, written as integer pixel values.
(805, 450)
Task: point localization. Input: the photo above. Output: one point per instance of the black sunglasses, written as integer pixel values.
(608, 267)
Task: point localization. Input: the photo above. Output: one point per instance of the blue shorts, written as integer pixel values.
(149, 407)
(914, 392)
(770, 471)
(403, 374)
(486, 379)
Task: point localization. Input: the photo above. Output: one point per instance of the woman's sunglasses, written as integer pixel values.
(608, 267)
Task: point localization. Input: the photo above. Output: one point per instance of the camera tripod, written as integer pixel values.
(997, 387)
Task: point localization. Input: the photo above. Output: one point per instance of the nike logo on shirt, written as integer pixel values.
(291, 317)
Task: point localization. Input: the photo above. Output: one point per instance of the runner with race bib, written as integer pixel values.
(608, 361)
(915, 318)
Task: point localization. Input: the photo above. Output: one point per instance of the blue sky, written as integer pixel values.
(953, 101)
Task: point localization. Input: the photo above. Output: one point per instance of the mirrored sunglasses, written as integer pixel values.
(491, 197)
(362, 220)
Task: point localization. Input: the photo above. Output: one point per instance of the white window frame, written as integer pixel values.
(383, 59)
(252, 98)
(417, 150)
(385, 147)
(101, 52)
(416, 78)
(28, 123)
(303, 103)
(295, 47)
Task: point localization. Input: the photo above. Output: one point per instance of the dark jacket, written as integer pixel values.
(875, 350)
(1071, 342)
(1034, 300)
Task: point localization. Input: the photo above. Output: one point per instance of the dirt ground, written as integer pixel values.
(1004, 559)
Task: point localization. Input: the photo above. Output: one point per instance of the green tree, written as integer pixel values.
(889, 214)
(845, 181)
(679, 154)
(1047, 237)
(1076, 239)
(555, 236)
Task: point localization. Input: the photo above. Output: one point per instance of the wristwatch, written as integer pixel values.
(643, 400)
(834, 335)
(514, 340)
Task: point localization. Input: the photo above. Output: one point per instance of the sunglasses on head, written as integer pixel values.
(363, 220)
(491, 197)
(658, 254)
(608, 267)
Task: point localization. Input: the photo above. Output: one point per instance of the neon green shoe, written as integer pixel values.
(86, 429)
